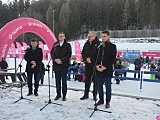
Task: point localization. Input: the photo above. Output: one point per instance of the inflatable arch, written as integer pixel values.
(19, 26)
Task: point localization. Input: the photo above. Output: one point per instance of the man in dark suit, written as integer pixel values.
(106, 58)
(88, 55)
(137, 64)
(61, 53)
(33, 56)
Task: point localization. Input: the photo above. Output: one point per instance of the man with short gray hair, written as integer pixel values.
(88, 55)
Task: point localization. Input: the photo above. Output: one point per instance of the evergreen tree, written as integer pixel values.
(21, 6)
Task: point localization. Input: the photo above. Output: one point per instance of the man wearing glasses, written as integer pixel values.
(61, 53)
(88, 55)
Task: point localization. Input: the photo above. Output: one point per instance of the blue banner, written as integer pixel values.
(131, 54)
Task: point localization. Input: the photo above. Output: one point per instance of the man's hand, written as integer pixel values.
(58, 61)
(100, 68)
(33, 64)
(88, 60)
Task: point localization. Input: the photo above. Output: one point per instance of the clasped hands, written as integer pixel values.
(58, 61)
(88, 60)
(100, 68)
(33, 64)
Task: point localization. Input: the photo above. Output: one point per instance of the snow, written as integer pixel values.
(122, 108)
(129, 44)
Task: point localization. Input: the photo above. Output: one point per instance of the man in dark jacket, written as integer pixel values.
(106, 57)
(137, 64)
(3, 66)
(147, 61)
(33, 56)
(61, 53)
(88, 55)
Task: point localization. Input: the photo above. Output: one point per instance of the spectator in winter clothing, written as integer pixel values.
(106, 59)
(125, 66)
(75, 64)
(142, 59)
(118, 58)
(88, 55)
(80, 69)
(157, 76)
(137, 64)
(33, 57)
(152, 68)
(158, 64)
(147, 61)
(117, 65)
(4, 65)
(152, 59)
(61, 53)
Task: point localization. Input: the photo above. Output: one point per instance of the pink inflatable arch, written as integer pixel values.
(19, 26)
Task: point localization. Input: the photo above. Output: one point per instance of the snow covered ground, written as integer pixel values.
(122, 108)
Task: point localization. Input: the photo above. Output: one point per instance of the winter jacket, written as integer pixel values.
(125, 65)
(3, 64)
(89, 50)
(147, 59)
(33, 55)
(107, 58)
(63, 53)
(137, 64)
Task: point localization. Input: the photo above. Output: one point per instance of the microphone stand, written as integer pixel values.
(95, 91)
(20, 66)
(49, 102)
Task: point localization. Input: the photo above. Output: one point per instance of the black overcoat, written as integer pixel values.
(33, 55)
(63, 53)
(107, 58)
(89, 50)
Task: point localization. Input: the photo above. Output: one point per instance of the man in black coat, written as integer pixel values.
(88, 55)
(3, 66)
(33, 57)
(137, 64)
(106, 57)
(61, 53)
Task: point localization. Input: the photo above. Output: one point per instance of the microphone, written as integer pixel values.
(100, 45)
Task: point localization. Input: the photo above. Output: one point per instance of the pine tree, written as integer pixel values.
(21, 6)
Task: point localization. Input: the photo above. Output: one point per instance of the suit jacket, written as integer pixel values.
(107, 58)
(63, 53)
(33, 55)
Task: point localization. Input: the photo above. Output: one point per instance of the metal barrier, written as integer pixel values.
(141, 79)
(74, 70)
